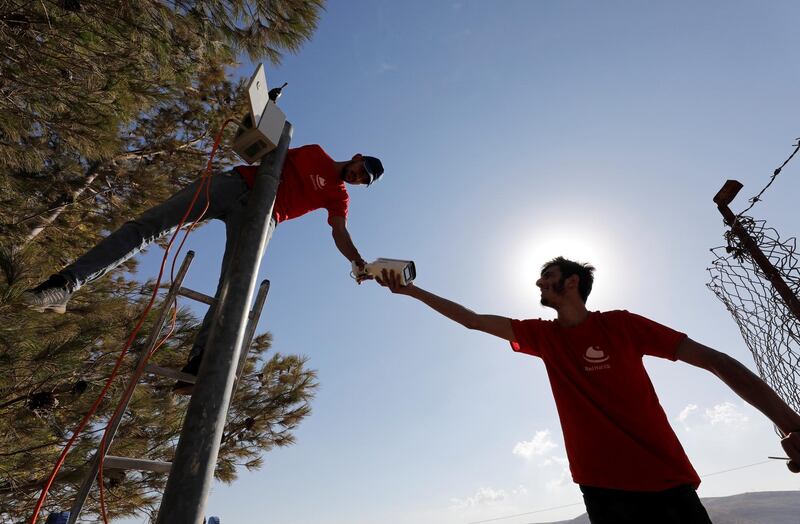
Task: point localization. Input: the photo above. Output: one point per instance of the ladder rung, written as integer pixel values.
(112, 462)
(196, 295)
(170, 373)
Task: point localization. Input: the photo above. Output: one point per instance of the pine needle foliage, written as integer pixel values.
(107, 108)
(52, 368)
(160, 151)
(73, 72)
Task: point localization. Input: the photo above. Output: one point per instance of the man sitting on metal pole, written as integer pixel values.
(310, 180)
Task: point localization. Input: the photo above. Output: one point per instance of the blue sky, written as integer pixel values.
(511, 132)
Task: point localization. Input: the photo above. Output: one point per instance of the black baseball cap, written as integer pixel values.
(373, 167)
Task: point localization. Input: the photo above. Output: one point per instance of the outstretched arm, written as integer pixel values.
(344, 243)
(491, 324)
(752, 389)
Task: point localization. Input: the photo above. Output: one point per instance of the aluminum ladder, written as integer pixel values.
(111, 462)
(191, 471)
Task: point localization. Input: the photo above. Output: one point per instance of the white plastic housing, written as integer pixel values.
(405, 268)
(260, 130)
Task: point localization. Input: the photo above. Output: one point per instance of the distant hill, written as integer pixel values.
(764, 507)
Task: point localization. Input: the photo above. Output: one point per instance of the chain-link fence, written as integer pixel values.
(769, 327)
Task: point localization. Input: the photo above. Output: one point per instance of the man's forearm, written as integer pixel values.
(345, 245)
(492, 324)
(464, 316)
(757, 393)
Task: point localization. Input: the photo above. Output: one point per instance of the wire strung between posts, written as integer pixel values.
(579, 503)
(735, 469)
(527, 513)
(205, 183)
(775, 174)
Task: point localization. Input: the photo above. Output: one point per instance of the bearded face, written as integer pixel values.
(551, 285)
(556, 289)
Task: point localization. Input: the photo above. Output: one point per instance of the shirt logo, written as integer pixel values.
(318, 182)
(595, 355)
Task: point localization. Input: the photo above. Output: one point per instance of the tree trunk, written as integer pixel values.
(62, 202)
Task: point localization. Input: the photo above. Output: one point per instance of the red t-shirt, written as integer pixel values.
(309, 181)
(616, 433)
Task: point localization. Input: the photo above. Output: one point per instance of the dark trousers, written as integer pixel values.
(678, 505)
(228, 201)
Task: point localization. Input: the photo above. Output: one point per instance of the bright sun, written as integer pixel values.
(579, 243)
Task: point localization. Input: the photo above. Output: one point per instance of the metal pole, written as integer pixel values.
(252, 322)
(113, 424)
(250, 332)
(196, 455)
(724, 197)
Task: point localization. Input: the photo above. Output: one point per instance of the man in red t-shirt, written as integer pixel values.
(621, 449)
(310, 180)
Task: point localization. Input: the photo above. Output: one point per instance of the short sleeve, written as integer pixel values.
(527, 334)
(652, 338)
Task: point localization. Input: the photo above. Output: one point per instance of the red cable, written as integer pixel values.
(131, 338)
(140, 369)
(125, 397)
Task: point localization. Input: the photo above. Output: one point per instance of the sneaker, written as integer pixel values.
(51, 295)
(186, 388)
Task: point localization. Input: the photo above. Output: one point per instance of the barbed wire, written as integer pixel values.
(775, 174)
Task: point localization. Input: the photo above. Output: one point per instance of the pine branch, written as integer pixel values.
(32, 448)
(151, 152)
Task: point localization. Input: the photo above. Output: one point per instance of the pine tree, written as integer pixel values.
(162, 150)
(74, 75)
(52, 367)
(73, 72)
(106, 109)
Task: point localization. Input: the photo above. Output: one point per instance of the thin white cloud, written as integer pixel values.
(554, 460)
(488, 497)
(563, 477)
(726, 414)
(685, 412)
(538, 446)
(384, 66)
(483, 497)
(683, 416)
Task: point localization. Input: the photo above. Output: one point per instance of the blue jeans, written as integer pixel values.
(228, 194)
